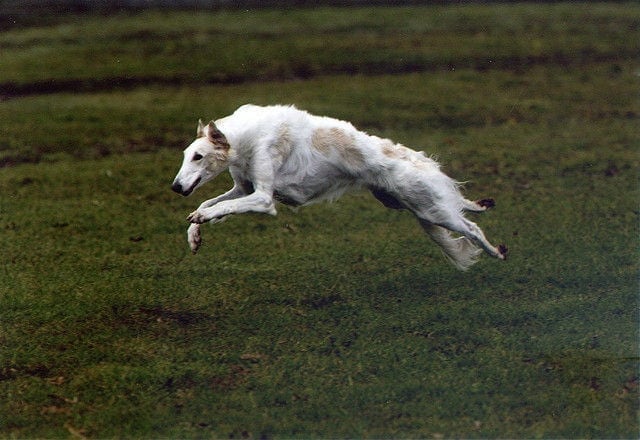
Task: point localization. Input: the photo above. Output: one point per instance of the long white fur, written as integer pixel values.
(280, 153)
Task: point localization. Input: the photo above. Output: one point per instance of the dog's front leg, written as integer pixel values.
(258, 201)
(193, 237)
(233, 193)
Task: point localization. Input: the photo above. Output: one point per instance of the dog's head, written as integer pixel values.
(204, 159)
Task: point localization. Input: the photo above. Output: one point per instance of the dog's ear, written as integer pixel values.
(200, 132)
(216, 137)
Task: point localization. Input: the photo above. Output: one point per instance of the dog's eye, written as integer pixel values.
(197, 156)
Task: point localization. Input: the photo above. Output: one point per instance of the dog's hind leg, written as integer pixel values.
(471, 231)
(440, 218)
(437, 222)
(460, 251)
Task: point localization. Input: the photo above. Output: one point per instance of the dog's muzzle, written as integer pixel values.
(177, 187)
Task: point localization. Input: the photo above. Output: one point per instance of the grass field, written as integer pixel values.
(338, 320)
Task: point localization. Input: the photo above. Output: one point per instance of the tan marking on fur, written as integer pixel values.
(216, 137)
(326, 139)
(395, 151)
(220, 160)
(400, 152)
(352, 155)
(321, 140)
(284, 142)
(389, 149)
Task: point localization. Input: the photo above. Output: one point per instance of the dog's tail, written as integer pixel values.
(460, 251)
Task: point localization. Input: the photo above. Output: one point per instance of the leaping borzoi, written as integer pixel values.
(280, 153)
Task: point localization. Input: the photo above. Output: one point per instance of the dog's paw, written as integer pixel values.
(197, 217)
(503, 251)
(194, 238)
(486, 203)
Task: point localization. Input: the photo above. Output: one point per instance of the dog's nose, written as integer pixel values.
(177, 187)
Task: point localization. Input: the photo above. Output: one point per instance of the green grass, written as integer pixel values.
(338, 320)
(85, 51)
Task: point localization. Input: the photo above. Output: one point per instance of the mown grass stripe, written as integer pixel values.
(9, 90)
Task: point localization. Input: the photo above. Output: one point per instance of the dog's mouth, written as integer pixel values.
(190, 190)
(177, 187)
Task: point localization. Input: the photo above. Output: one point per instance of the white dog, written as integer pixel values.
(280, 153)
